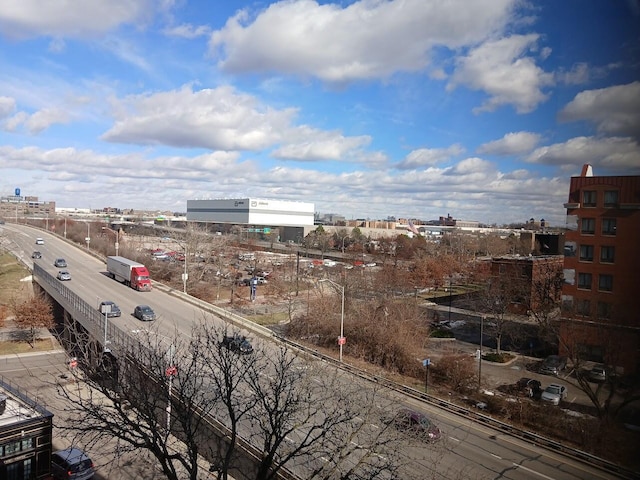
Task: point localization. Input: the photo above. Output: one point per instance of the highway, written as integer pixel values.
(468, 450)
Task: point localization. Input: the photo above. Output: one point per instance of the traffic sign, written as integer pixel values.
(171, 371)
(342, 340)
(73, 363)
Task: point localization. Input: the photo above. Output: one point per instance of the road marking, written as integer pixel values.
(533, 471)
(497, 456)
(454, 439)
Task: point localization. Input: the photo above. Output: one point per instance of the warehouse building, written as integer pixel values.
(251, 211)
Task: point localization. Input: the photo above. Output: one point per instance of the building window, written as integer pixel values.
(608, 226)
(583, 307)
(589, 198)
(588, 226)
(584, 281)
(586, 253)
(607, 254)
(611, 198)
(604, 309)
(605, 283)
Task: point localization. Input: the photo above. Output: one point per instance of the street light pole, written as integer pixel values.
(117, 244)
(480, 356)
(341, 339)
(88, 239)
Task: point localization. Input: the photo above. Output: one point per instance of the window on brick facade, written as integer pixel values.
(609, 226)
(605, 283)
(611, 198)
(604, 309)
(589, 198)
(607, 254)
(583, 307)
(588, 226)
(586, 253)
(584, 281)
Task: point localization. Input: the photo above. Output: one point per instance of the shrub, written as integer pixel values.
(498, 357)
(440, 333)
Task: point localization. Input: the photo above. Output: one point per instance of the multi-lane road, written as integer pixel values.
(468, 450)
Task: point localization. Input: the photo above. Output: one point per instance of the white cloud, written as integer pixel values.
(514, 143)
(218, 119)
(614, 110)
(502, 70)
(7, 106)
(186, 30)
(425, 157)
(366, 39)
(578, 74)
(309, 144)
(612, 155)
(69, 18)
(36, 122)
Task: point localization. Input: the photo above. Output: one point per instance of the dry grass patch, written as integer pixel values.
(11, 347)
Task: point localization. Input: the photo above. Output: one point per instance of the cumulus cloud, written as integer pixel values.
(186, 30)
(36, 122)
(310, 144)
(615, 155)
(363, 40)
(614, 110)
(514, 143)
(69, 18)
(218, 119)
(224, 119)
(502, 69)
(7, 106)
(578, 74)
(425, 157)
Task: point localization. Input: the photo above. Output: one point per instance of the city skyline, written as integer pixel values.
(368, 109)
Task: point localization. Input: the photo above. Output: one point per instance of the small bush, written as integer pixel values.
(498, 357)
(440, 333)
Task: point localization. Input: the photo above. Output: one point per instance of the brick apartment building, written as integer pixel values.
(600, 304)
(523, 274)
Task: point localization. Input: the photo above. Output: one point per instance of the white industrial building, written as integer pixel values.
(251, 211)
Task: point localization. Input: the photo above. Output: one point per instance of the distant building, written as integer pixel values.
(17, 206)
(602, 261)
(523, 273)
(251, 211)
(449, 221)
(25, 436)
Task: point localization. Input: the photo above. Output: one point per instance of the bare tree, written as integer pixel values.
(32, 315)
(284, 409)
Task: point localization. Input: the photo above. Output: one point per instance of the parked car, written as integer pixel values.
(553, 365)
(36, 254)
(71, 464)
(114, 310)
(144, 313)
(530, 387)
(554, 394)
(63, 276)
(416, 422)
(600, 373)
(60, 263)
(237, 343)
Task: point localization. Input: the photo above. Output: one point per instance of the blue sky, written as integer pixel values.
(480, 109)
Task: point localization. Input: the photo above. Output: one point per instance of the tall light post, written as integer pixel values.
(88, 239)
(341, 339)
(117, 235)
(480, 351)
(185, 275)
(106, 309)
(65, 227)
(170, 372)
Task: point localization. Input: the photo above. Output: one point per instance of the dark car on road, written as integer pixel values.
(60, 263)
(237, 343)
(113, 309)
(417, 423)
(144, 313)
(71, 464)
(553, 365)
(36, 254)
(529, 387)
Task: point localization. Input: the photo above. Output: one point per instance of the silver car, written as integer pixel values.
(63, 276)
(554, 394)
(71, 463)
